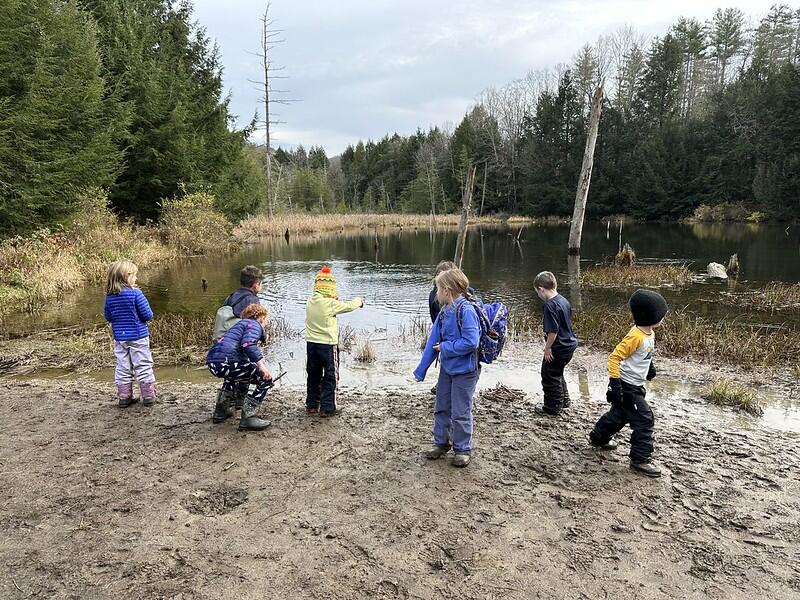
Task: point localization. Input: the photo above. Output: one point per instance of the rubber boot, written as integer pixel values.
(249, 421)
(222, 409)
(148, 392)
(125, 394)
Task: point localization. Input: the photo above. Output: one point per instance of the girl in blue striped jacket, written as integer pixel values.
(128, 311)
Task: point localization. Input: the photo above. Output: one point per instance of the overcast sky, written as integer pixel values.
(363, 68)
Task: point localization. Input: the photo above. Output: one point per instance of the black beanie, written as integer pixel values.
(647, 307)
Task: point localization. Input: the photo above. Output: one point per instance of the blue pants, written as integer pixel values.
(452, 413)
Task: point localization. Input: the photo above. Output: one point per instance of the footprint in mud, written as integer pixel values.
(213, 501)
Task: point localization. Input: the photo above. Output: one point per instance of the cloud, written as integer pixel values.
(364, 68)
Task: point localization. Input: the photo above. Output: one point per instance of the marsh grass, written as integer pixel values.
(297, 224)
(683, 334)
(366, 353)
(725, 393)
(775, 296)
(649, 275)
(415, 332)
(625, 257)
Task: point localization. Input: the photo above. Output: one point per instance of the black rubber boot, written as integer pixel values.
(249, 421)
(222, 409)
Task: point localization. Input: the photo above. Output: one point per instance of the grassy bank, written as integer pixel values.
(776, 296)
(305, 223)
(42, 267)
(684, 334)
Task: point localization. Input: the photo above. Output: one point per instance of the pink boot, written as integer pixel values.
(148, 391)
(125, 394)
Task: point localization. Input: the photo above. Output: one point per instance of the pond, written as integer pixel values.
(394, 278)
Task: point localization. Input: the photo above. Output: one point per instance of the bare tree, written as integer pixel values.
(270, 37)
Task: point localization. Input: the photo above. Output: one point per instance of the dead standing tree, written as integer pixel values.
(466, 203)
(269, 39)
(576, 227)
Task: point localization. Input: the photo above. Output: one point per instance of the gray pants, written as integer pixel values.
(133, 360)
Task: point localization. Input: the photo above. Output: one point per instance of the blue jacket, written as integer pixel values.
(128, 313)
(239, 344)
(241, 299)
(458, 349)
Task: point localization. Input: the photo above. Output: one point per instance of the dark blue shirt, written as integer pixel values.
(558, 319)
(128, 313)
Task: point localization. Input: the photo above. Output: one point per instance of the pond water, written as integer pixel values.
(394, 279)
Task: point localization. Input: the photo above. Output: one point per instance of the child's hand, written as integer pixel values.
(265, 372)
(436, 348)
(548, 354)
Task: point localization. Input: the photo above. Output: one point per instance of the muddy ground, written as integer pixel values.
(99, 502)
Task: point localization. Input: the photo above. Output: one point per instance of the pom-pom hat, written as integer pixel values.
(648, 307)
(325, 282)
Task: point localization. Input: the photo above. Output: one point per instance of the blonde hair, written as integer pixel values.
(119, 275)
(454, 281)
(255, 312)
(443, 266)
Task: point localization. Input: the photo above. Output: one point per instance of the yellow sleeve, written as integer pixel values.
(629, 344)
(338, 307)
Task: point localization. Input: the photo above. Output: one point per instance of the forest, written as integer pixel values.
(127, 95)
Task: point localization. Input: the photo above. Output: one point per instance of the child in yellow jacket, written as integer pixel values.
(322, 343)
(629, 366)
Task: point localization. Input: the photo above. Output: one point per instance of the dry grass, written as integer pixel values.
(625, 257)
(682, 334)
(725, 393)
(416, 331)
(366, 353)
(306, 223)
(649, 275)
(40, 268)
(775, 296)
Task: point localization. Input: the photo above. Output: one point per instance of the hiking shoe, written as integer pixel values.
(325, 414)
(609, 445)
(437, 451)
(647, 468)
(311, 411)
(542, 411)
(461, 460)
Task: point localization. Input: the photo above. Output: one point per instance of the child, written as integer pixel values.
(322, 343)
(251, 282)
(433, 302)
(236, 358)
(630, 364)
(128, 311)
(455, 336)
(559, 344)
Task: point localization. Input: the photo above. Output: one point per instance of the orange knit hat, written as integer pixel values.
(325, 282)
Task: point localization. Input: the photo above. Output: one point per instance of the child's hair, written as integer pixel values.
(545, 280)
(255, 312)
(454, 281)
(249, 276)
(119, 274)
(443, 266)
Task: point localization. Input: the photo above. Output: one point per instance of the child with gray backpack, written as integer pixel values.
(230, 313)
